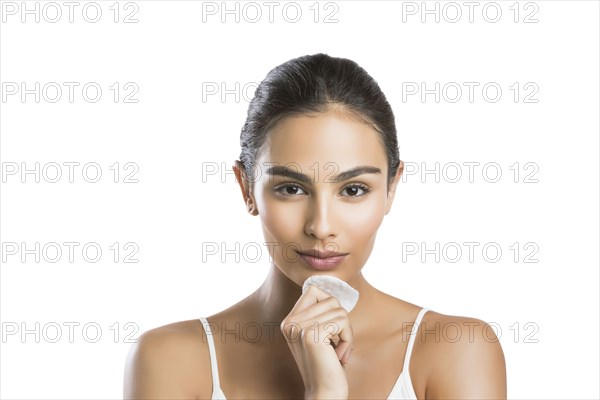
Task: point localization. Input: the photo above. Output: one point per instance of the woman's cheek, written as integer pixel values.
(284, 219)
(363, 219)
(283, 225)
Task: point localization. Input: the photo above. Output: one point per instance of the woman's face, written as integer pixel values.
(321, 212)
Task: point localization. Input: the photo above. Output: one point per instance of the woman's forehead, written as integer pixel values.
(325, 137)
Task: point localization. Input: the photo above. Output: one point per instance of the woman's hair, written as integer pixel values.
(314, 84)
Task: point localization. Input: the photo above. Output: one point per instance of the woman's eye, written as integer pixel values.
(289, 190)
(350, 190)
(353, 189)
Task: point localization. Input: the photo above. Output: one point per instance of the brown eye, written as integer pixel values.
(288, 190)
(353, 189)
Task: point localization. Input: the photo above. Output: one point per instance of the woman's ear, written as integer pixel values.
(245, 186)
(393, 186)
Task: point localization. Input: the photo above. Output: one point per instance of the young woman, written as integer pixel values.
(320, 166)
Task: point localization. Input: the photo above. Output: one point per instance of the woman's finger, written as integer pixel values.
(336, 324)
(329, 303)
(311, 296)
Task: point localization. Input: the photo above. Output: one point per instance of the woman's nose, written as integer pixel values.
(319, 221)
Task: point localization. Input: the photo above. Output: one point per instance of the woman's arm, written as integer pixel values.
(467, 366)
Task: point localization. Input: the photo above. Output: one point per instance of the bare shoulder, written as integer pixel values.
(169, 362)
(464, 357)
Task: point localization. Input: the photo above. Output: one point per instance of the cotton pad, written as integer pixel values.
(346, 294)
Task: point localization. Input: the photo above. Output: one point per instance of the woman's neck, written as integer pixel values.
(278, 294)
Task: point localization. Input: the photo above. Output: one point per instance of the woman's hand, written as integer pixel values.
(308, 329)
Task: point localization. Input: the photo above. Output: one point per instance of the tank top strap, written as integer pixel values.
(213, 354)
(413, 335)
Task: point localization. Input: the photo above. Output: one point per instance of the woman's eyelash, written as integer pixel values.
(364, 188)
(280, 189)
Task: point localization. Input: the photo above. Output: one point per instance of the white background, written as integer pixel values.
(546, 311)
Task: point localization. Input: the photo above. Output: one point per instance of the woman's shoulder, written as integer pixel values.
(437, 329)
(168, 361)
(176, 333)
(463, 356)
(174, 338)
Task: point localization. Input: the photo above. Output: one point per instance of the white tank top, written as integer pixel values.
(402, 389)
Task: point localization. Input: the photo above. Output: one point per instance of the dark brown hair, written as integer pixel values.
(313, 84)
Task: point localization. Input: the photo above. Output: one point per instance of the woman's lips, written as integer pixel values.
(321, 253)
(322, 264)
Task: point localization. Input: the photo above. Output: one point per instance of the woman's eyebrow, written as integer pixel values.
(280, 170)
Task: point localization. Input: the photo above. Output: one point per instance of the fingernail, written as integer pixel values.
(347, 355)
